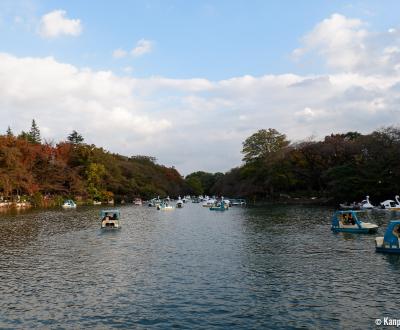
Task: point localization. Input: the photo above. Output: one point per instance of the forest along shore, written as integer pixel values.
(340, 167)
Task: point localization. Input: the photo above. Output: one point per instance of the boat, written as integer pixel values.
(222, 205)
(365, 204)
(352, 206)
(391, 205)
(165, 207)
(238, 202)
(110, 219)
(349, 222)
(196, 200)
(390, 243)
(209, 202)
(179, 203)
(69, 204)
(137, 201)
(96, 203)
(154, 202)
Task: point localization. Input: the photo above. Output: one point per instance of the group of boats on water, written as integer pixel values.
(110, 219)
(389, 204)
(212, 203)
(349, 221)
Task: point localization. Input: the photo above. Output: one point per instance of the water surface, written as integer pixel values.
(265, 267)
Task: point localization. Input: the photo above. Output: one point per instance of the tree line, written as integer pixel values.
(341, 167)
(43, 172)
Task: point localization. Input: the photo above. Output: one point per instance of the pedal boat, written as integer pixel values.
(390, 243)
(165, 207)
(220, 206)
(69, 204)
(110, 219)
(349, 222)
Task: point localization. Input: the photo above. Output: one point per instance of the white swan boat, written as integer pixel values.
(366, 205)
(179, 203)
(391, 205)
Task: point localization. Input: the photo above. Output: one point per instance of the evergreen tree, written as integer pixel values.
(75, 138)
(24, 136)
(34, 133)
(9, 132)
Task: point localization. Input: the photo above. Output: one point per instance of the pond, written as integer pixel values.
(257, 267)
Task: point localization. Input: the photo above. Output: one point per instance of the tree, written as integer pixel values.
(34, 133)
(9, 132)
(95, 174)
(195, 185)
(263, 144)
(75, 138)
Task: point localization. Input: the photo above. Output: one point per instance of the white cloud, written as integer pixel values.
(143, 46)
(119, 53)
(345, 44)
(55, 24)
(340, 40)
(186, 122)
(127, 69)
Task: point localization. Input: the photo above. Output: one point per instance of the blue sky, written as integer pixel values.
(198, 74)
(207, 39)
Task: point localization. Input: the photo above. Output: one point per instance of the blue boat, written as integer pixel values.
(390, 242)
(349, 222)
(110, 219)
(69, 204)
(221, 206)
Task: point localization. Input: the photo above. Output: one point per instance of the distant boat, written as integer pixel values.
(391, 205)
(390, 243)
(220, 206)
(154, 202)
(179, 203)
(348, 221)
(365, 204)
(110, 219)
(352, 206)
(96, 203)
(209, 202)
(137, 201)
(165, 207)
(69, 204)
(238, 202)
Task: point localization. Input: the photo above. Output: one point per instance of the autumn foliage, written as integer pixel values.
(77, 170)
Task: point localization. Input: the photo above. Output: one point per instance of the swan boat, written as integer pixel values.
(391, 205)
(366, 204)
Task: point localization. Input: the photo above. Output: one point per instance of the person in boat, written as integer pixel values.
(351, 219)
(396, 231)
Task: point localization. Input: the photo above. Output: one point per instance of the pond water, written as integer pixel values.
(261, 267)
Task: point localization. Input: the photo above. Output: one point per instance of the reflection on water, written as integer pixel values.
(266, 267)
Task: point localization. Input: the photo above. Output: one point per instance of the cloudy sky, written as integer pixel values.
(188, 81)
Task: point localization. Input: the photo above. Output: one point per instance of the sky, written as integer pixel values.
(188, 81)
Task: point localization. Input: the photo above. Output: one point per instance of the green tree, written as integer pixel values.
(34, 133)
(95, 174)
(75, 138)
(263, 144)
(9, 132)
(195, 184)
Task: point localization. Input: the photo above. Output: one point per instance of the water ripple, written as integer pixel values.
(270, 267)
